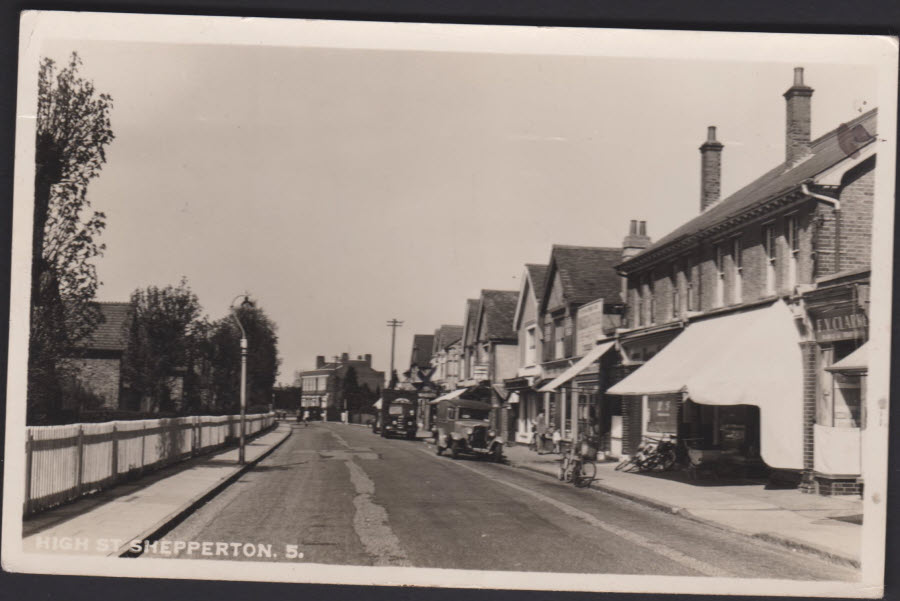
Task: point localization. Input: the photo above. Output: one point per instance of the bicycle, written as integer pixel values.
(654, 454)
(578, 468)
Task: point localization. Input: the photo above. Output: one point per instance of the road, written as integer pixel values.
(338, 494)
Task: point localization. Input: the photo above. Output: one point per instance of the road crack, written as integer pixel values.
(370, 522)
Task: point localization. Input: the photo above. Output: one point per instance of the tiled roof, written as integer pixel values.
(111, 334)
(587, 272)
(499, 308)
(471, 317)
(826, 152)
(421, 349)
(444, 336)
(538, 276)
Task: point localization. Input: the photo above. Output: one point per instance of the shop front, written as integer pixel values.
(731, 382)
(838, 316)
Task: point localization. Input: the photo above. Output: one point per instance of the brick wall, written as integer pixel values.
(632, 423)
(101, 377)
(857, 197)
(809, 351)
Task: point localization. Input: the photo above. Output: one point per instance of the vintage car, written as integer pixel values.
(396, 415)
(464, 427)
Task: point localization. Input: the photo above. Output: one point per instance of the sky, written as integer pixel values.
(342, 188)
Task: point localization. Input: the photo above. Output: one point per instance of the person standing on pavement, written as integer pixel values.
(305, 418)
(540, 430)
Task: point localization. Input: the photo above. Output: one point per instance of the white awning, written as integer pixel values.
(582, 364)
(858, 360)
(450, 395)
(513, 398)
(747, 358)
(377, 404)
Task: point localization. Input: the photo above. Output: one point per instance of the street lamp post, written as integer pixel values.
(245, 304)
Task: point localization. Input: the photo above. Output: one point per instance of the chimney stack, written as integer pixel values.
(320, 361)
(799, 110)
(368, 359)
(636, 240)
(345, 357)
(710, 169)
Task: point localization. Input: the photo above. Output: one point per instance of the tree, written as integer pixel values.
(163, 346)
(262, 358)
(73, 130)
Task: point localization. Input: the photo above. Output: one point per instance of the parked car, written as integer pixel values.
(464, 428)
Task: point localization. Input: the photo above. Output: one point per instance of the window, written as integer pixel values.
(793, 244)
(651, 301)
(529, 345)
(639, 304)
(768, 235)
(688, 285)
(560, 347)
(737, 262)
(676, 296)
(720, 276)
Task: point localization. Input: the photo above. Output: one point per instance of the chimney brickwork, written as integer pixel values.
(799, 112)
(636, 240)
(710, 169)
(320, 361)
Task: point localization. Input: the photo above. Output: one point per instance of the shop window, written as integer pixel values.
(689, 285)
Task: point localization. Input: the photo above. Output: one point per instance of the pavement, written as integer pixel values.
(107, 523)
(830, 527)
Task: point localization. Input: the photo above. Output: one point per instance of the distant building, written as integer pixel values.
(325, 386)
(98, 362)
(445, 356)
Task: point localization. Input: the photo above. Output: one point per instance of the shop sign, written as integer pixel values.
(589, 326)
(663, 414)
(841, 324)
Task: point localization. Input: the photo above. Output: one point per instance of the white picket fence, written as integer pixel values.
(65, 462)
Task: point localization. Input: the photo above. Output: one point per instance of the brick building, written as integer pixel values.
(735, 317)
(581, 304)
(98, 363)
(324, 388)
(529, 375)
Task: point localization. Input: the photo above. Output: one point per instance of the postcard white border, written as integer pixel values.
(789, 49)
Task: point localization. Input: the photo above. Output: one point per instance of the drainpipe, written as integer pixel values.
(836, 207)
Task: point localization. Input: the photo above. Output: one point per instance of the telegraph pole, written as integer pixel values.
(393, 325)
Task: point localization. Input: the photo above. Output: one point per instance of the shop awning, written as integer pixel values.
(747, 358)
(377, 404)
(857, 361)
(582, 364)
(513, 398)
(450, 395)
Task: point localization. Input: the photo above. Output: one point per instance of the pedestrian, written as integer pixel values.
(540, 430)
(557, 439)
(306, 418)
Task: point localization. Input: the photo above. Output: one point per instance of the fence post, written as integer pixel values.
(143, 441)
(79, 472)
(29, 449)
(115, 452)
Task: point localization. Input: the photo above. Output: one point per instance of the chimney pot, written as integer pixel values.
(368, 359)
(798, 76)
(345, 357)
(320, 361)
(636, 240)
(642, 230)
(711, 133)
(633, 228)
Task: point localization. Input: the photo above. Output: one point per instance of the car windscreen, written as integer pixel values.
(395, 410)
(474, 414)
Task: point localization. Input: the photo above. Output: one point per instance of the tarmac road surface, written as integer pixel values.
(338, 494)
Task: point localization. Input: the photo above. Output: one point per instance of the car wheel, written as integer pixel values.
(454, 451)
(438, 449)
(497, 454)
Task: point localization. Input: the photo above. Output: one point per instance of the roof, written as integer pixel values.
(468, 403)
(421, 349)
(471, 316)
(330, 368)
(826, 152)
(586, 273)
(498, 307)
(111, 334)
(538, 276)
(444, 336)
